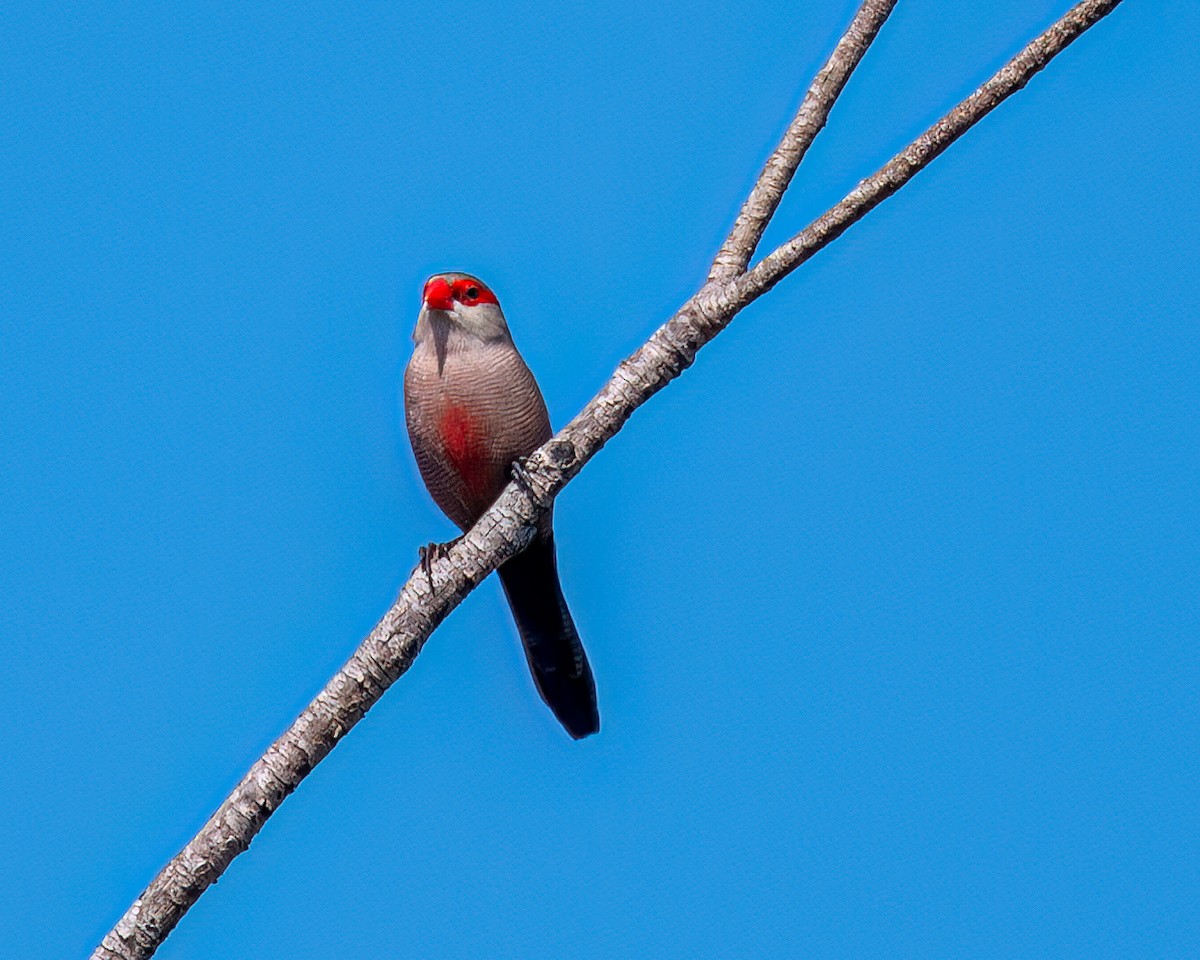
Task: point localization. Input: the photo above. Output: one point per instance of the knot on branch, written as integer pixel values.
(682, 337)
(561, 453)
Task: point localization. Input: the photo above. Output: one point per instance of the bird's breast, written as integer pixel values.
(463, 436)
(468, 419)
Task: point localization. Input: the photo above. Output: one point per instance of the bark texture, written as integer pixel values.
(511, 523)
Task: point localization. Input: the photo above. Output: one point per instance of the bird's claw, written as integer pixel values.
(430, 554)
(520, 473)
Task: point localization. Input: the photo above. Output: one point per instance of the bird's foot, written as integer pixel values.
(520, 473)
(431, 553)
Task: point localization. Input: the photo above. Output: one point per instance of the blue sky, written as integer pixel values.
(891, 599)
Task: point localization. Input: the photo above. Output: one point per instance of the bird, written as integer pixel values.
(473, 409)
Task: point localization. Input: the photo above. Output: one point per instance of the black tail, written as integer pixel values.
(560, 667)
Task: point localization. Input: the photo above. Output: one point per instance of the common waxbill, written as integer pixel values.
(472, 409)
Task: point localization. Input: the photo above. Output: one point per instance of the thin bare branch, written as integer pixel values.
(920, 153)
(509, 525)
(735, 253)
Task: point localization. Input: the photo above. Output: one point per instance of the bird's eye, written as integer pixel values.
(472, 293)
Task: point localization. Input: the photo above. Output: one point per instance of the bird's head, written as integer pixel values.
(464, 302)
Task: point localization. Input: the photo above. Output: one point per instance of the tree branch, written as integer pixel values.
(921, 152)
(509, 525)
(760, 206)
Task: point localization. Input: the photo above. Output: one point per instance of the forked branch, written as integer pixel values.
(509, 525)
(735, 253)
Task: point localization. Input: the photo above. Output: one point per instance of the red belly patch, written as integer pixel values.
(462, 437)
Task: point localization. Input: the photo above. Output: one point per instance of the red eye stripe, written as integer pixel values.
(470, 292)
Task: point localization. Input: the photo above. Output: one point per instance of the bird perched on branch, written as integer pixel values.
(473, 409)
